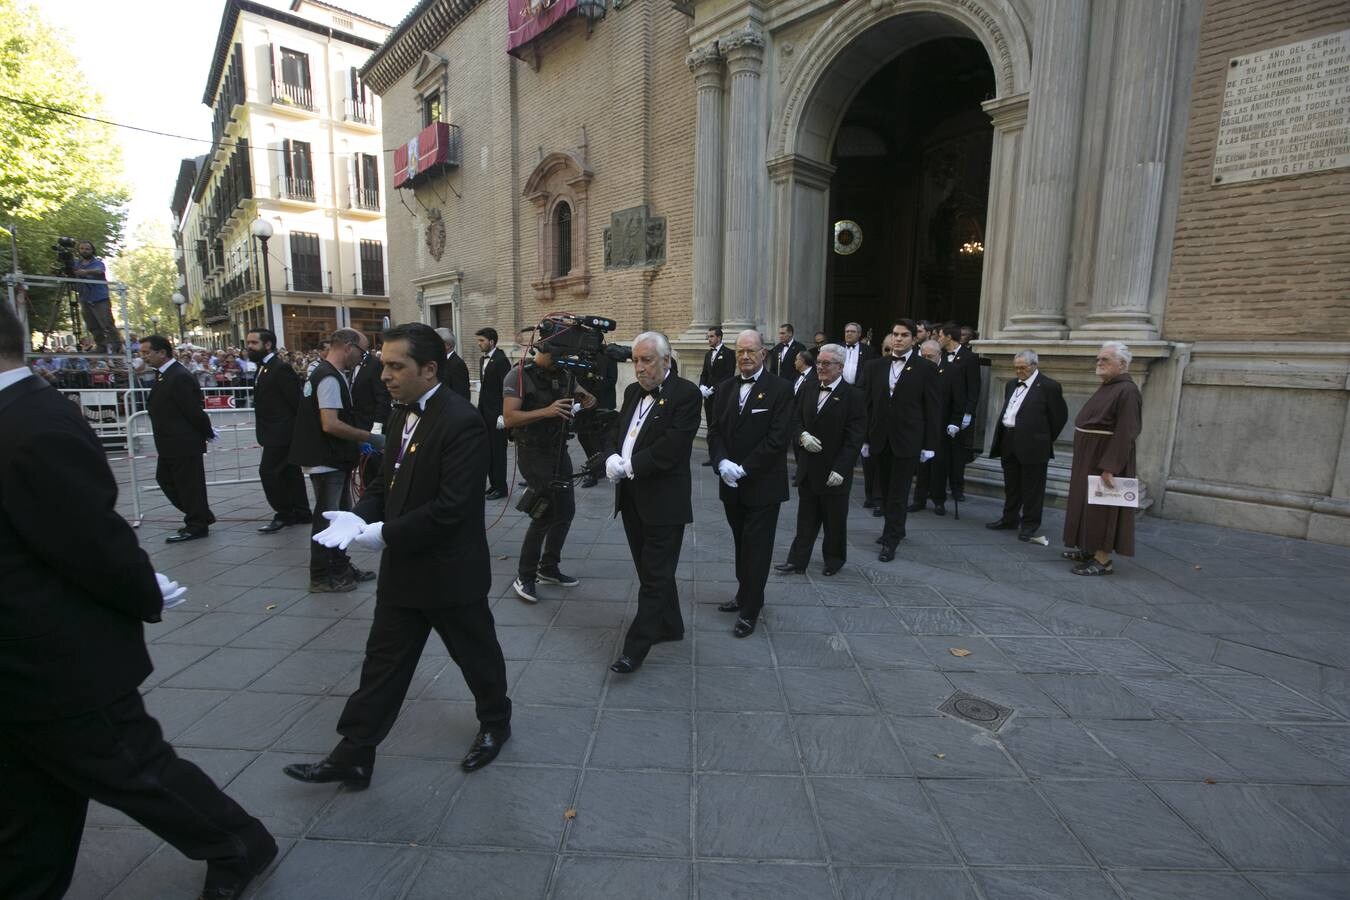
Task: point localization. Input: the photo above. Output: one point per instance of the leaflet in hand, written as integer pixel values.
(1124, 492)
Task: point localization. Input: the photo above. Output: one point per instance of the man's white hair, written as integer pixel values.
(755, 331)
(448, 337)
(1119, 350)
(1029, 357)
(935, 344)
(833, 350)
(655, 337)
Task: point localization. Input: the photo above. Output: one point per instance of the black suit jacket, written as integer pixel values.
(951, 395)
(810, 384)
(1040, 419)
(72, 602)
(784, 367)
(840, 425)
(177, 416)
(907, 420)
(967, 368)
(431, 504)
(718, 366)
(755, 437)
(661, 484)
(455, 374)
(370, 398)
(276, 395)
(490, 385)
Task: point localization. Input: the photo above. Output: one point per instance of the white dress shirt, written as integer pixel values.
(13, 376)
(644, 408)
(898, 366)
(1015, 401)
(851, 355)
(747, 385)
(826, 390)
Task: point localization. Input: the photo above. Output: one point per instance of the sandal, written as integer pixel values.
(1092, 567)
(1076, 555)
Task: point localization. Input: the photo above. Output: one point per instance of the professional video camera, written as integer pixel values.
(64, 248)
(577, 345)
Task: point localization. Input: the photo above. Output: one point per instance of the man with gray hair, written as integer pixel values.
(454, 371)
(1033, 415)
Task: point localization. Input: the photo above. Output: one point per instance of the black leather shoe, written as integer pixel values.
(1000, 525)
(183, 534)
(707, 462)
(354, 777)
(226, 882)
(625, 665)
(870, 504)
(360, 575)
(887, 553)
(830, 570)
(273, 526)
(743, 628)
(789, 569)
(486, 745)
(878, 512)
(495, 495)
(939, 509)
(729, 606)
(915, 507)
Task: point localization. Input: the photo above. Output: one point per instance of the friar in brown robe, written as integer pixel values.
(1104, 435)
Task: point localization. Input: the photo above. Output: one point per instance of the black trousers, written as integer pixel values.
(116, 755)
(544, 539)
(894, 475)
(871, 489)
(814, 510)
(1023, 489)
(656, 554)
(752, 530)
(707, 418)
(397, 636)
(497, 454)
(183, 481)
(283, 485)
(332, 491)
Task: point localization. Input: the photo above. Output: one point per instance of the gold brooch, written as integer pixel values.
(412, 448)
(759, 396)
(660, 403)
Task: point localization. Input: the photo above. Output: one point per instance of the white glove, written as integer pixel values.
(965, 421)
(834, 479)
(345, 529)
(705, 391)
(501, 423)
(810, 443)
(952, 431)
(615, 468)
(371, 537)
(214, 434)
(866, 451)
(730, 472)
(924, 456)
(172, 592)
(576, 407)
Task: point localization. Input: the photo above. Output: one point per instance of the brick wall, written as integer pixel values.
(1260, 259)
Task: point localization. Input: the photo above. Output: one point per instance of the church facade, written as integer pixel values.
(1056, 174)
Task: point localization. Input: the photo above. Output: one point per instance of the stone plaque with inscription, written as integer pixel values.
(635, 238)
(1286, 111)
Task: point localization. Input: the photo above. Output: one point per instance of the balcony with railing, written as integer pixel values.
(435, 149)
(369, 283)
(214, 310)
(308, 280)
(363, 198)
(359, 111)
(288, 187)
(297, 96)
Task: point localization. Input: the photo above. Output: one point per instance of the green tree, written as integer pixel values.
(148, 270)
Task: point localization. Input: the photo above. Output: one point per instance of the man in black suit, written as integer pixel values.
(964, 363)
(829, 419)
(454, 371)
(719, 364)
(425, 513)
(72, 723)
(747, 437)
(493, 366)
(276, 395)
(931, 478)
(902, 426)
(1032, 417)
(805, 378)
(856, 357)
(370, 398)
(182, 429)
(652, 440)
(780, 359)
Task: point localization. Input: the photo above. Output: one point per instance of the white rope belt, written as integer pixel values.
(1093, 431)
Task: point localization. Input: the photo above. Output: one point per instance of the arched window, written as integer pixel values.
(562, 239)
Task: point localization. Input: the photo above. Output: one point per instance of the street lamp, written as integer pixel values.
(179, 301)
(262, 230)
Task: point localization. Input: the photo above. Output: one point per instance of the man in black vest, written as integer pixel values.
(1033, 415)
(829, 419)
(425, 513)
(182, 429)
(73, 726)
(454, 372)
(326, 445)
(719, 364)
(747, 437)
(276, 395)
(493, 367)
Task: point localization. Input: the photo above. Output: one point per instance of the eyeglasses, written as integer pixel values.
(826, 363)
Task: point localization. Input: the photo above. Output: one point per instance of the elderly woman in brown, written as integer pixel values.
(1104, 435)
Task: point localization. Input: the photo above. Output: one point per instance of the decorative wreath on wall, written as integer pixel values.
(847, 237)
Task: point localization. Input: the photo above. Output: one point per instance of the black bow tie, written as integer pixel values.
(744, 380)
(1021, 384)
(825, 390)
(409, 408)
(653, 392)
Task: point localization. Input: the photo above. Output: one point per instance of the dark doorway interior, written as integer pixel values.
(912, 159)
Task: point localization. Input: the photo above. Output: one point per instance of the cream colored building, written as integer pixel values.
(1041, 169)
(296, 142)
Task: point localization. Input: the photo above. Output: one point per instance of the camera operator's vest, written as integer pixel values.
(538, 389)
(310, 444)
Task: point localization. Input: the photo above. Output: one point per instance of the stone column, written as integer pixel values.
(744, 52)
(1132, 186)
(1045, 215)
(1008, 114)
(706, 64)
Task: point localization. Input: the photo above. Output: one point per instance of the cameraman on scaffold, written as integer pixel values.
(539, 400)
(94, 301)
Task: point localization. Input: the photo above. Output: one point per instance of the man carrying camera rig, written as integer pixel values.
(538, 403)
(95, 304)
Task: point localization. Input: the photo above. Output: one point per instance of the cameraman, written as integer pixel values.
(94, 302)
(537, 406)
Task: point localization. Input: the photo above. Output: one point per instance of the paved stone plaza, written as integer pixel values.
(1179, 730)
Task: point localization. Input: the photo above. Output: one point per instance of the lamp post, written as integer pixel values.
(262, 230)
(179, 301)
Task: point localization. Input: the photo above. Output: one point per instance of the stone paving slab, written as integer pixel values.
(1181, 729)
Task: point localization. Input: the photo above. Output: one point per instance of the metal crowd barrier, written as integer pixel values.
(224, 460)
(107, 410)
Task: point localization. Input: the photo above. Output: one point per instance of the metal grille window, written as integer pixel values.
(306, 274)
(562, 236)
(372, 268)
(365, 182)
(293, 87)
(298, 169)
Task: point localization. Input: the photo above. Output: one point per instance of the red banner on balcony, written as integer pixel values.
(528, 19)
(431, 147)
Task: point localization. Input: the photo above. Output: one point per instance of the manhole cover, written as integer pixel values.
(976, 710)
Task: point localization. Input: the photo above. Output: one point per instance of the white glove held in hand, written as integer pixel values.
(501, 423)
(172, 592)
(730, 472)
(952, 430)
(965, 421)
(834, 479)
(615, 468)
(371, 537)
(345, 529)
(924, 456)
(866, 451)
(214, 434)
(705, 391)
(810, 443)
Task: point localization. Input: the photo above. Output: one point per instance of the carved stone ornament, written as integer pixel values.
(435, 234)
(745, 37)
(635, 238)
(707, 55)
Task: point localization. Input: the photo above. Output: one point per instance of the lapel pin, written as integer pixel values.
(660, 402)
(412, 448)
(759, 397)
